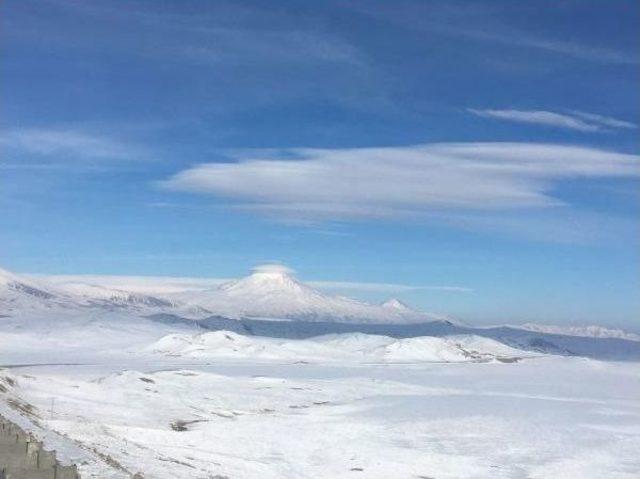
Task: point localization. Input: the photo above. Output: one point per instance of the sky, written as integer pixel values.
(478, 159)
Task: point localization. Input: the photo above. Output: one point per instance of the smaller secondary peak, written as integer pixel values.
(395, 303)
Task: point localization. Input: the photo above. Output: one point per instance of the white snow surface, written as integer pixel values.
(127, 395)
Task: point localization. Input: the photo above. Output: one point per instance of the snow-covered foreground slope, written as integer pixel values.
(550, 417)
(120, 394)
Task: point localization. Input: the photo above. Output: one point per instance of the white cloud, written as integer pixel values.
(330, 184)
(384, 287)
(137, 284)
(168, 285)
(577, 120)
(272, 268)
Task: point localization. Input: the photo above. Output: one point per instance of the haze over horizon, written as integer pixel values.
(473, 159)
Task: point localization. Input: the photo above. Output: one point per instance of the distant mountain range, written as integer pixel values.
(18, 293)
(271, 292)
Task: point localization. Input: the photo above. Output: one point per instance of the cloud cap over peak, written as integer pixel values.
(272, 269)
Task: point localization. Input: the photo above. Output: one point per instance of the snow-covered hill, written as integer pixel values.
(356, 347)
(272, 291)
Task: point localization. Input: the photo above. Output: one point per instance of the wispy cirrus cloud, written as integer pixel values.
(221, 34)
(485, 22)
(230, 47)
(400, 182)
(605, 120)
(575, 50)
(51, 147)
(576, 120)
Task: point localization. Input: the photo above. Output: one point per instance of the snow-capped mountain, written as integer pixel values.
(272, 291)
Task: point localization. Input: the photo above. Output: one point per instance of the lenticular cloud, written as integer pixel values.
(401, 181)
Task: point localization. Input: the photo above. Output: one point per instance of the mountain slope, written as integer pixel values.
(95, 295)
(17, 293)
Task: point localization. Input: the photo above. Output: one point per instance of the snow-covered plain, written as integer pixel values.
(120, 393)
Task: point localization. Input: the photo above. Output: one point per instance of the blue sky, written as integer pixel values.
(490, 145)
